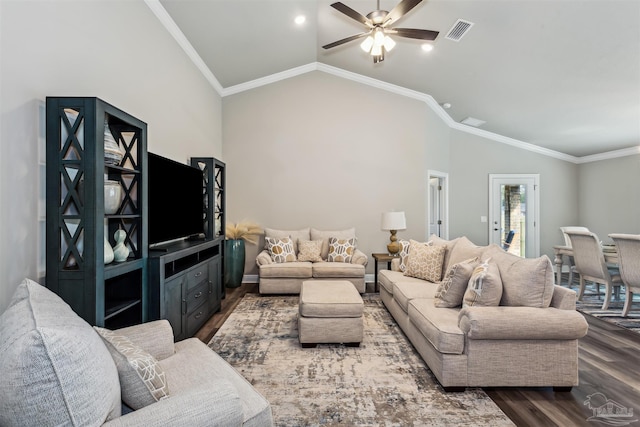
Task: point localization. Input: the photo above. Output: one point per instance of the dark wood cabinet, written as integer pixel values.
(186, 284)
(77, 165)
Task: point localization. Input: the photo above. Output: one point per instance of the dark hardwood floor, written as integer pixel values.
(609, 364)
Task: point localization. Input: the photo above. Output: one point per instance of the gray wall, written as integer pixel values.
(474, 158)
(115, 50)
(320, 151)
(609, 198)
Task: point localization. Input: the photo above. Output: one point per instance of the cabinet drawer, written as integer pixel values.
(196, 319)
(197, 275)
(197, 296)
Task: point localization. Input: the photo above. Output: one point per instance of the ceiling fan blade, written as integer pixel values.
(341, 7)
(346, 40)
(413, 33)
(401, 8)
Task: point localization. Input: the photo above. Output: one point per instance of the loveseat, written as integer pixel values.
(292, 256)
(56, 369)
(520, 329)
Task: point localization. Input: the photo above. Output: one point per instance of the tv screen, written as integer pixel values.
(176, 201)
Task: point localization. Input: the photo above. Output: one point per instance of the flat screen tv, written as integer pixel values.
(176, 202)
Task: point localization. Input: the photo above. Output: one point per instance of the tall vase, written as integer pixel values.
(233, 262)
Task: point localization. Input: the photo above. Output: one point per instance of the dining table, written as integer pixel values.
(609, 251)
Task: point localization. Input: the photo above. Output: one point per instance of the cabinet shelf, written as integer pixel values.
(112, 295)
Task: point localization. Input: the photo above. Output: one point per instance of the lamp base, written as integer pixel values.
(393, 248)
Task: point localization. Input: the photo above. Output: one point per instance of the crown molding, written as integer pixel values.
(173, 29)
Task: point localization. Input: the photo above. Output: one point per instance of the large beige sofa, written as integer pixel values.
(529, 340)
(287, 277)
(56, 369)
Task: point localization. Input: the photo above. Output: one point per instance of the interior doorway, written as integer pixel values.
(514, 213)
(437, 204)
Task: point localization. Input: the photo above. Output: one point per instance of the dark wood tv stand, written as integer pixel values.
(185, 284)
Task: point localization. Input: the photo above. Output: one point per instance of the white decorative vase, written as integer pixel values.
(112, 196)
(108, 252)
(120, 250)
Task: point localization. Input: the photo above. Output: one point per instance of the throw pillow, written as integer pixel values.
(451, 290)
(302, 234)
(142, 380)
(463, 250)
(425, 261)
(404, 253)
(281, 250)
(55, 368)
(448, 245)
(485, 286)
(348, 233)
(526, 282)
(309, 250)
(341, 250)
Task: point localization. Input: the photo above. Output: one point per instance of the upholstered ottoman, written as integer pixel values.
(330, 311)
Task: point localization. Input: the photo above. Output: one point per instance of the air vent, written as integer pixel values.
(459, 29)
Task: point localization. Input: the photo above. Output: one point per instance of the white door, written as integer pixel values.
(513, 209)
(437, 205)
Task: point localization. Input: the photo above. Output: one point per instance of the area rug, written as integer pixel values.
(592, 304)
(384, 382)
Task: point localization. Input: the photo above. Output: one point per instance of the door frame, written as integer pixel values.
(536, 208)
(444, 203)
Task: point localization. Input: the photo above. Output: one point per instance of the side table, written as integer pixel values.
(384, 257)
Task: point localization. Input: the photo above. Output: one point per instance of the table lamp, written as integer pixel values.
(393, 221)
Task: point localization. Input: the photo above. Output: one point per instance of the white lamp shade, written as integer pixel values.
(393, 221)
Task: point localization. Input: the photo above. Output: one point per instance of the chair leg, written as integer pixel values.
(607, 296)
(628, 300)
(570, 278)
(581, 290)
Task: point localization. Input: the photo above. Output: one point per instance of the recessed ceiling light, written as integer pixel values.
(473, 122)
(427, 47)
(300, 19)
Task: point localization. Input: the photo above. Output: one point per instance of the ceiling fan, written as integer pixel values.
(378, 25)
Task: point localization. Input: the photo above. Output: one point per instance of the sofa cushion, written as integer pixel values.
(485, 286)
(336, 269)
(55, 369)
(405, 291)
(525, 281)
(341, 250)
(448, 246)
(451, 290)
(287, 270)
(309, 250)
(302, 234)
(325, 235)
(142, 381)
(438, 325)
(386, 279)
(425, 261)
(281, 250)
(463, 250)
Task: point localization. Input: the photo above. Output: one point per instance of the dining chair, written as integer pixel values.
(628, 248)
(591, 265)
(567, 242)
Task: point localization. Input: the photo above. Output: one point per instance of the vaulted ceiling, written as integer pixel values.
(559, 74)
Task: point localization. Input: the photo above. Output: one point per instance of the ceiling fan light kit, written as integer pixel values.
(378, 22)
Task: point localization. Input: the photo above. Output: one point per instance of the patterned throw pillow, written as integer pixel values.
(281, 250)
(425, 261)
(309, 250)
(142, 380)
(404, 253)
(451, 290)
(485, 286)
(341, 250)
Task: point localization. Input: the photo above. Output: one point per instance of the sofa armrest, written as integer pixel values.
(395, 264)
(200, 406)
(154, 337)
(263, 258)
(359, 257)
(521, 323)
(563, 298)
